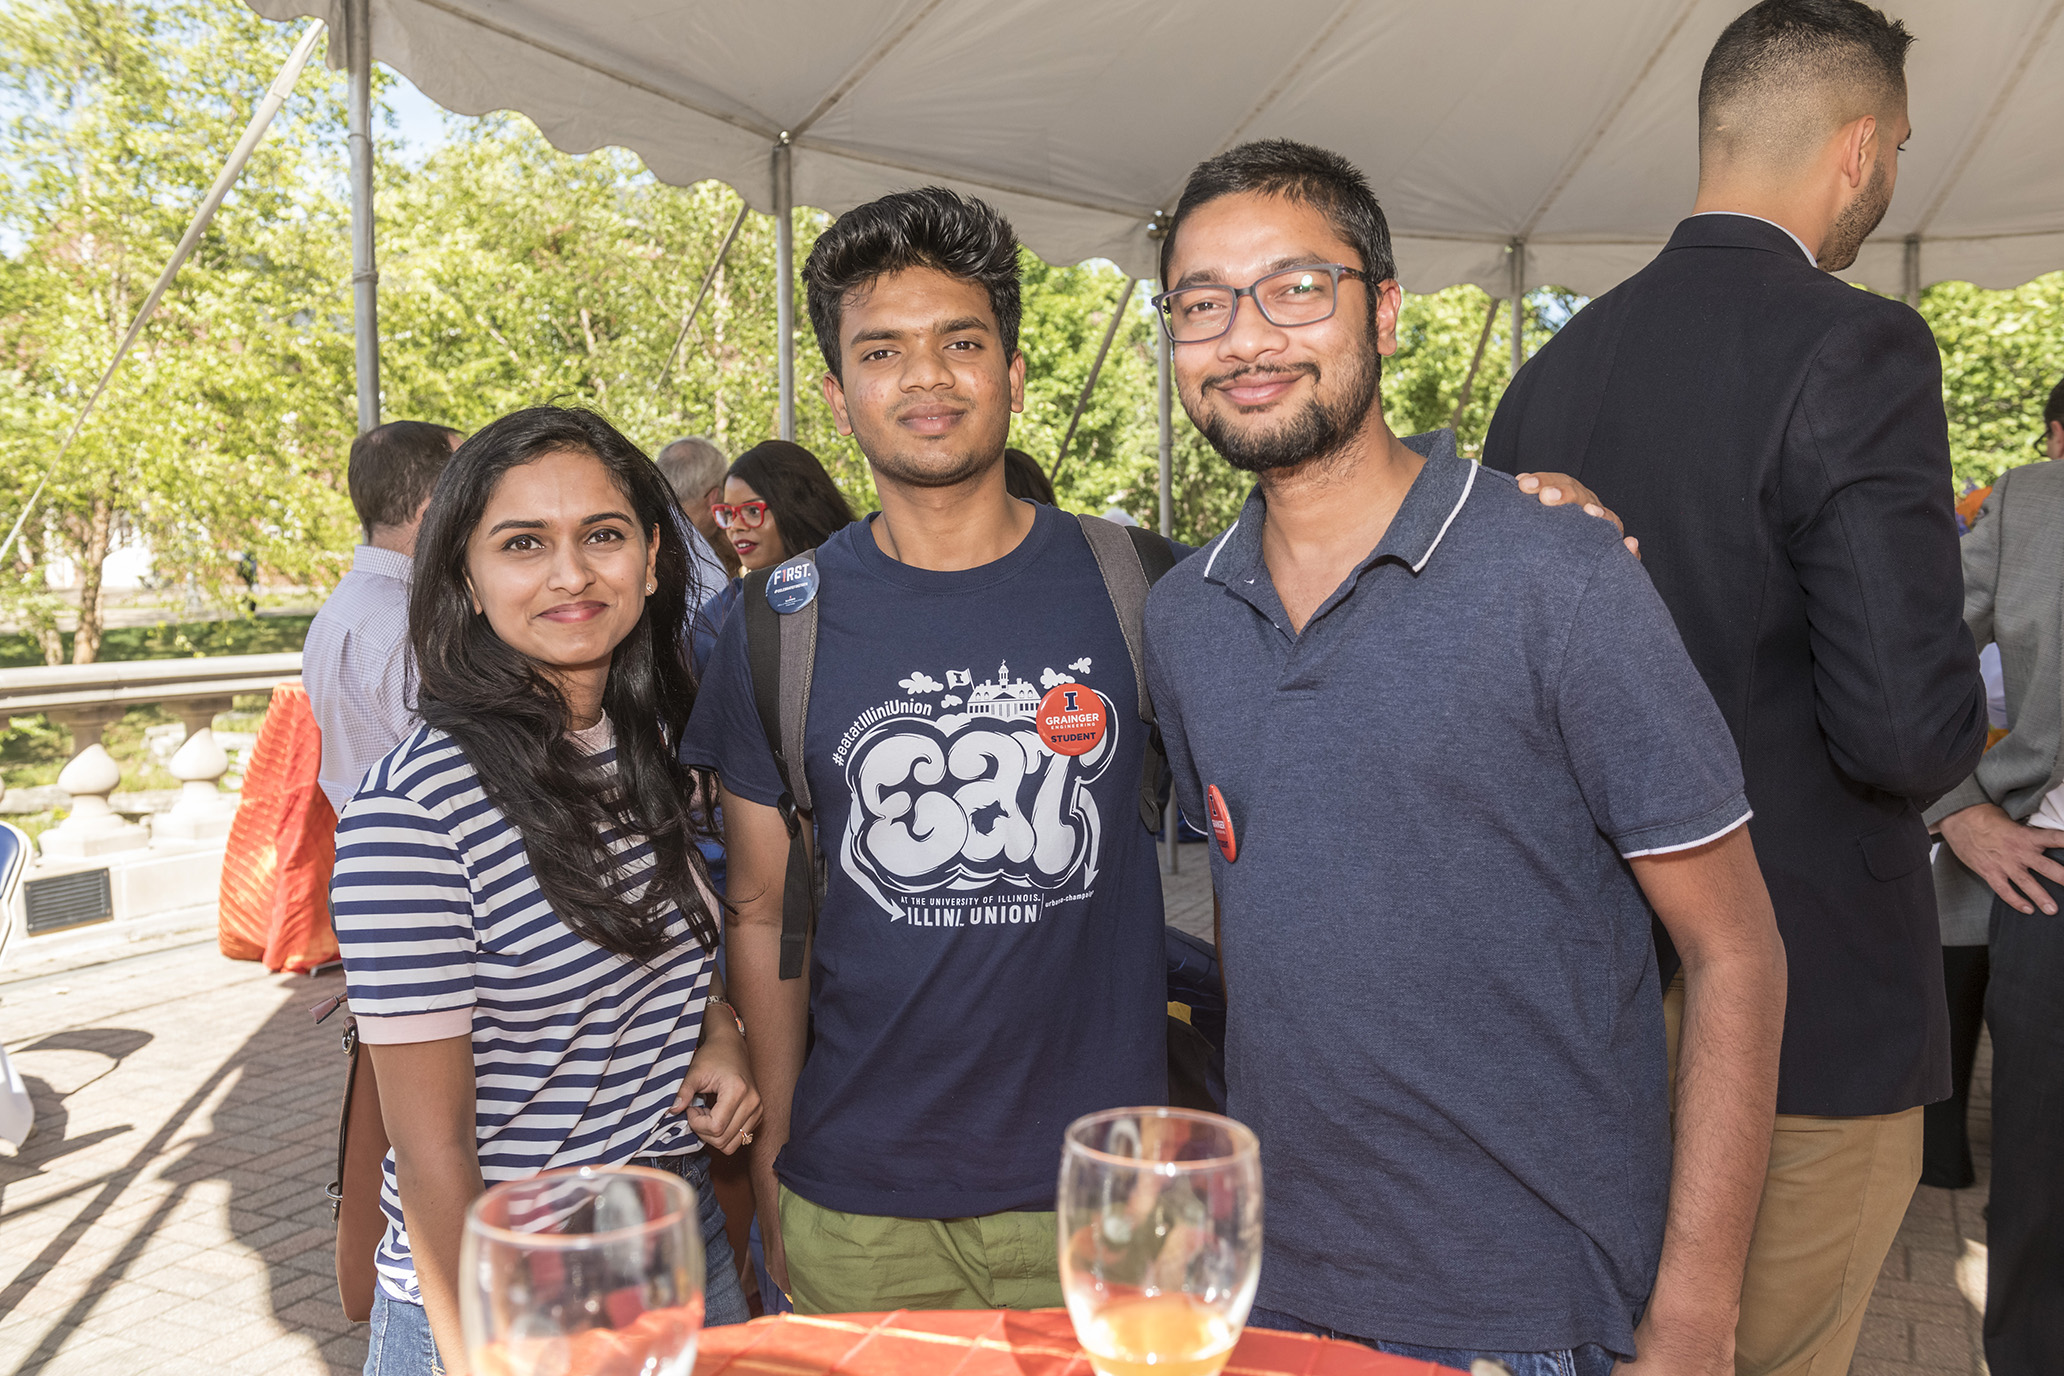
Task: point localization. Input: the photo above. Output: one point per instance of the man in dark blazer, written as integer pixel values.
(1776, 440)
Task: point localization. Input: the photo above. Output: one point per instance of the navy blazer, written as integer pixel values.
(1776, 439)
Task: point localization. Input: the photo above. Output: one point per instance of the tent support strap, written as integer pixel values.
(261, 120)
(365, 276)
(784, 279)
(708, 279)
(1518, 304)
(1913, 271)
(1095, 370)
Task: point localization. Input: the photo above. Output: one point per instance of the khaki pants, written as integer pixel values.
(1833, 1200)
(863, 1263)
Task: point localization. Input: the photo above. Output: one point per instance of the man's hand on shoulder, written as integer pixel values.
(1560, 489)
(2006, 854)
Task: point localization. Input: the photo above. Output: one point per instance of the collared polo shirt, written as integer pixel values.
(1445, 1020)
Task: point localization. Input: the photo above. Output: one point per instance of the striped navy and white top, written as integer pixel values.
(577, 1052)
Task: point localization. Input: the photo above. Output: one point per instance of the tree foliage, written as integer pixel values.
(513, 274)
(2002, 352)
(218, 438)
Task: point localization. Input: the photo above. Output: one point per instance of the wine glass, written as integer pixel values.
(1160, 1235)
(584, 1271)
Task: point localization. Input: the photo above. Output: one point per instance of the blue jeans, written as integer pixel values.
(1588, 1360)
(723, 1301)
(400, 1343)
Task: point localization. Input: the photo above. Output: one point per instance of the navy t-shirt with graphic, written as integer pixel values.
(988, 963)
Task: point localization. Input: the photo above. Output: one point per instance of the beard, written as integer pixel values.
(1855, 222)
(1319, 429)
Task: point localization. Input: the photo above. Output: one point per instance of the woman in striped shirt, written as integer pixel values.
(527, 928)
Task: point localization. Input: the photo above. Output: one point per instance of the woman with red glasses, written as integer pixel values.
(778, 501)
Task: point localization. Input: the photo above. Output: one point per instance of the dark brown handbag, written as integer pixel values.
(355, 1193)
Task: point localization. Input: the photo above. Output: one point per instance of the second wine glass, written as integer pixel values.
(1160, 1237)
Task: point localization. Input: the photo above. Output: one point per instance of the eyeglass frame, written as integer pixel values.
(737, 509)
(1335, 270)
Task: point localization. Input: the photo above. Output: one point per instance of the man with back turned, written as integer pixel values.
(1776, 439)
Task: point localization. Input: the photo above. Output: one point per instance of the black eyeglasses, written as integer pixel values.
(1294, 296)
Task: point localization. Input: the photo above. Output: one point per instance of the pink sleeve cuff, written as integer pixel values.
(402, 1029)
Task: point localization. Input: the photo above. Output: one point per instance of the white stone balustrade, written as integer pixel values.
(90, 697)
(204, 811)
(93, 827)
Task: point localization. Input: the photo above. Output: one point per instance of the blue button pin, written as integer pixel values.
(791, 586)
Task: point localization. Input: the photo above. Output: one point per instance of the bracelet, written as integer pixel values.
(728, 1007)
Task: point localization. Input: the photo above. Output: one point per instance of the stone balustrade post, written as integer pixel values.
(93, 827)
(203, 811)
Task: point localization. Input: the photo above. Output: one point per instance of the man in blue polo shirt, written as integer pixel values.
(1453, 757)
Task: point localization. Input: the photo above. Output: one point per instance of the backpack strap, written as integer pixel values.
(1131, 560)
(781, 653)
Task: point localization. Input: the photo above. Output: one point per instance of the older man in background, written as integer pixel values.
(694, 467)
(355, 662)
(2003, 870)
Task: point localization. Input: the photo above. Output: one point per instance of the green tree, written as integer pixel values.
(2002, 352)
(215, 441)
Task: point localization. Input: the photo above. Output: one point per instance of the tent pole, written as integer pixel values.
(1518, 304)
(1164, 409)
(784, 278)
(365, 277)
(1913, 271)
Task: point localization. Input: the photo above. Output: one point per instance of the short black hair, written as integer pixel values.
(930, 227)
(1297, 172)
(394, 467)
(1023, 477)
(1788, 39)
(807, 505)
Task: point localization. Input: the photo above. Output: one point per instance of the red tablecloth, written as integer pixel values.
(991, 1342)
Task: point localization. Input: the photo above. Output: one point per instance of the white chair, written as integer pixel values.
(17, 1113)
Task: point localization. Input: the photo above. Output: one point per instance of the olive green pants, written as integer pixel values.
(864, 1263)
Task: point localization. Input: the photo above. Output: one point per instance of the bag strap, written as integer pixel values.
(351, 1050)
(1132, 560)
(781, 653)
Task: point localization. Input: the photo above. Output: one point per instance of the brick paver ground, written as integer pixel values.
(167, 1219)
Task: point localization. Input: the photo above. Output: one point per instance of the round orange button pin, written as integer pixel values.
(1221, 824)
(1071, 719)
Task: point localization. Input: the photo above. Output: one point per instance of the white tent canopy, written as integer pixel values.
(1565, 125)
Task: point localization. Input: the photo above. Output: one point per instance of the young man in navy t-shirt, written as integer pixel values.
(988, 964)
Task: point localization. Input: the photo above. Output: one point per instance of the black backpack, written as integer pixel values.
(781, 651)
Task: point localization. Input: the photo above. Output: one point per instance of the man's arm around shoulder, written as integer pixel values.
(1712, 900)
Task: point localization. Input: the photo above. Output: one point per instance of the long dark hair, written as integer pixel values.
(807, 505)
(512, 720)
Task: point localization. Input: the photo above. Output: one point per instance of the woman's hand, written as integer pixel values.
(720, 1070)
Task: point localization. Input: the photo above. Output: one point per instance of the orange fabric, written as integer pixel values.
(1968, 504)
(274, 900)
(991, 1342)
